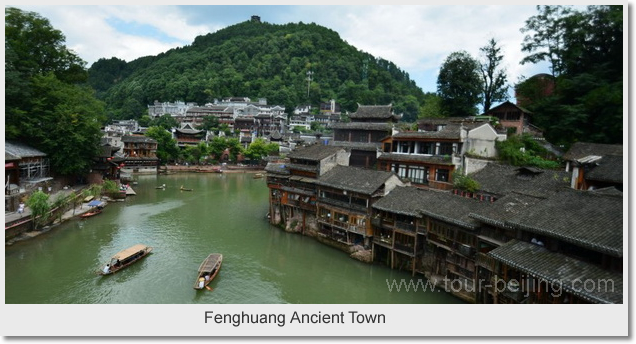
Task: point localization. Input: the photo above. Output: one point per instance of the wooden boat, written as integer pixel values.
(161, 187)
(125, 258)
(184, 189)
(91, 213)
(258, 175)
(208, 270)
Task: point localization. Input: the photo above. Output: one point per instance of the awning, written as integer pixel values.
(96, 203)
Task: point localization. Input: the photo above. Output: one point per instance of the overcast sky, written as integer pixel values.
(416, 38)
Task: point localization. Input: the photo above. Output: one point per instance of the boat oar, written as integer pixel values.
(208, 288)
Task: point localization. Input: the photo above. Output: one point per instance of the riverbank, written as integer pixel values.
(212, 168)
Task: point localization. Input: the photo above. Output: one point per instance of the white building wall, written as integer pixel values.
(481, 141)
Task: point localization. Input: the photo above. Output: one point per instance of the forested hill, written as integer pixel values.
(256, 59)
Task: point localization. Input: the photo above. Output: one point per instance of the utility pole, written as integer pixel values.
(309, 74)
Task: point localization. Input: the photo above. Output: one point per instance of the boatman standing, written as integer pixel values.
(201, 282)
(106, 268)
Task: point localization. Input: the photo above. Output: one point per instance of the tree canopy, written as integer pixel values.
(585, 51)
(494, 78)
(459, 85)
(46, 104)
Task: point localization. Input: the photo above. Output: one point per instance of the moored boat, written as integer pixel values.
(125, 258)
(91, 213)
(208, 269)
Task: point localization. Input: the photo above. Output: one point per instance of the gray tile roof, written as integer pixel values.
(380, 112)
(507, 103)
(609, 169)
(21, 150)
(443, 206)
(438, 160)
(363, 126)
(506, 209)
(314, 152)
(583, 218)
(401, 200)
(501, 180)
(138, 138)
(8, 156)
(451, 131)
(277, 168)
(565, 272)
(580, 150)
(366, 146)
(360, 180)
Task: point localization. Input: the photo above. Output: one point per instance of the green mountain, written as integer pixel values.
(257, 59)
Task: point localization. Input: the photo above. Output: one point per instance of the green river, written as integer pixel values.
(225, 213)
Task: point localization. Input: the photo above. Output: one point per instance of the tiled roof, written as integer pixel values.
(379, 112)
(580, 150)
(138, 138)
(8, 156)
(277, 168)
(401, 200)
(300, 167)
(362, 126)
(366, 146)
(314, 152)
(438, 160)
(275, 135)
(609, 169)
(451, 208)
(503, 179)
(505, 209)
(564, 272)
(439, 205)
(507, 103)
(440, 120)
(21, 150)
(583, 218)
(360, 180)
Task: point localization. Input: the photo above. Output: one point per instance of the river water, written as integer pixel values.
(224, 213)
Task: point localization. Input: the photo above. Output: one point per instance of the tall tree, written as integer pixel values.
(65, 122)
(495, 80)
(547, 41)
(586, 52)
(459, 85)
(47, 104)
(166, 146)
(39, 47)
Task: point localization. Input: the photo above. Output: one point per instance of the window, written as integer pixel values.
(405, 147)
(418, 174)
(441, 175)
(445, 148)
(387, 147)
(427, 148)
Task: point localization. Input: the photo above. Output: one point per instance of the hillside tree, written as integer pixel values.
(494, 78)
(459, 85)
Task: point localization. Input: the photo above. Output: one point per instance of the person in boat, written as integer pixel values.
(106, 268)
(201, 282)
(206, 276)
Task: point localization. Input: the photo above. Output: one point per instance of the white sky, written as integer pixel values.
(417, 38)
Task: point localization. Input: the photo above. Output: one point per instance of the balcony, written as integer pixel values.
(485, 261)
(405, 226)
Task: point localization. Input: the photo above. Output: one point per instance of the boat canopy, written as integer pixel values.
(210, 262)
(130, 251)
(96, 203)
